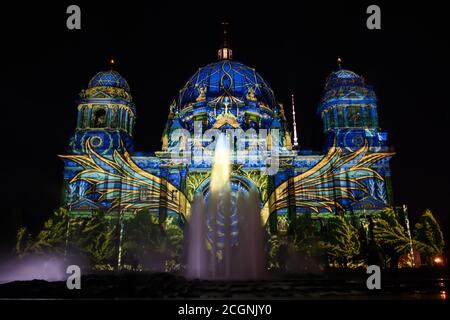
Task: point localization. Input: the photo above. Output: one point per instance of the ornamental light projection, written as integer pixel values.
(352, 175)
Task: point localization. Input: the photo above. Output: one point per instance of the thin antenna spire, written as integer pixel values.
(112, 63)
(339, 62)
(226, 39)
(225, 53)
(295, 145)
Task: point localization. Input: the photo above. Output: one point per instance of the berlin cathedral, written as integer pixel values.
(351, 175)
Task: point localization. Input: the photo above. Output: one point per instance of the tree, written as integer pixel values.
(147, 242)
(174, 235)
(305, 240)
(391, 236)
(101, 248)
(341, 241)
(90, 237)
(96, 239)
(274, 243)
(23, 242)
(50, 240)
(428, 237)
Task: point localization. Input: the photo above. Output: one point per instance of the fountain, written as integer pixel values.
(225, 236)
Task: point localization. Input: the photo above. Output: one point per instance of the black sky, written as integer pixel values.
(294, 48)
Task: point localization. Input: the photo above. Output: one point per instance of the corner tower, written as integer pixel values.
(349, 112)
(106, 114)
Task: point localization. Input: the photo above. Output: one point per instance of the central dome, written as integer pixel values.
(226, 78)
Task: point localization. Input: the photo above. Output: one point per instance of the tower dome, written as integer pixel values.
(108, 85)
(110, 78)
(346, 87)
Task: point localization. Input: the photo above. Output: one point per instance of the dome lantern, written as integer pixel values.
(225, 53)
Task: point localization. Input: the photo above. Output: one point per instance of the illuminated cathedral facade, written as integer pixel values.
(352, 175)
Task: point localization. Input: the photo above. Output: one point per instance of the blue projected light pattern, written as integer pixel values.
(229, 78)
(109, 78)
(351, 174)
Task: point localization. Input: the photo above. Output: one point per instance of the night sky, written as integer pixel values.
(45, 65)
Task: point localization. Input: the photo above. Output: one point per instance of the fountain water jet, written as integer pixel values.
(225, 237)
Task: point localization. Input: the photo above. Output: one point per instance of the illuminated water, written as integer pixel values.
(225, 239)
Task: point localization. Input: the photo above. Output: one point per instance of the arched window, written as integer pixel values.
(115, 119)
(85, 117)
(365, 115)
(80, 118)
(182, 143)
(332, 118)
(354, 116)
(99, 118)
(340, 117)
(374, 117)
(328, 116)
